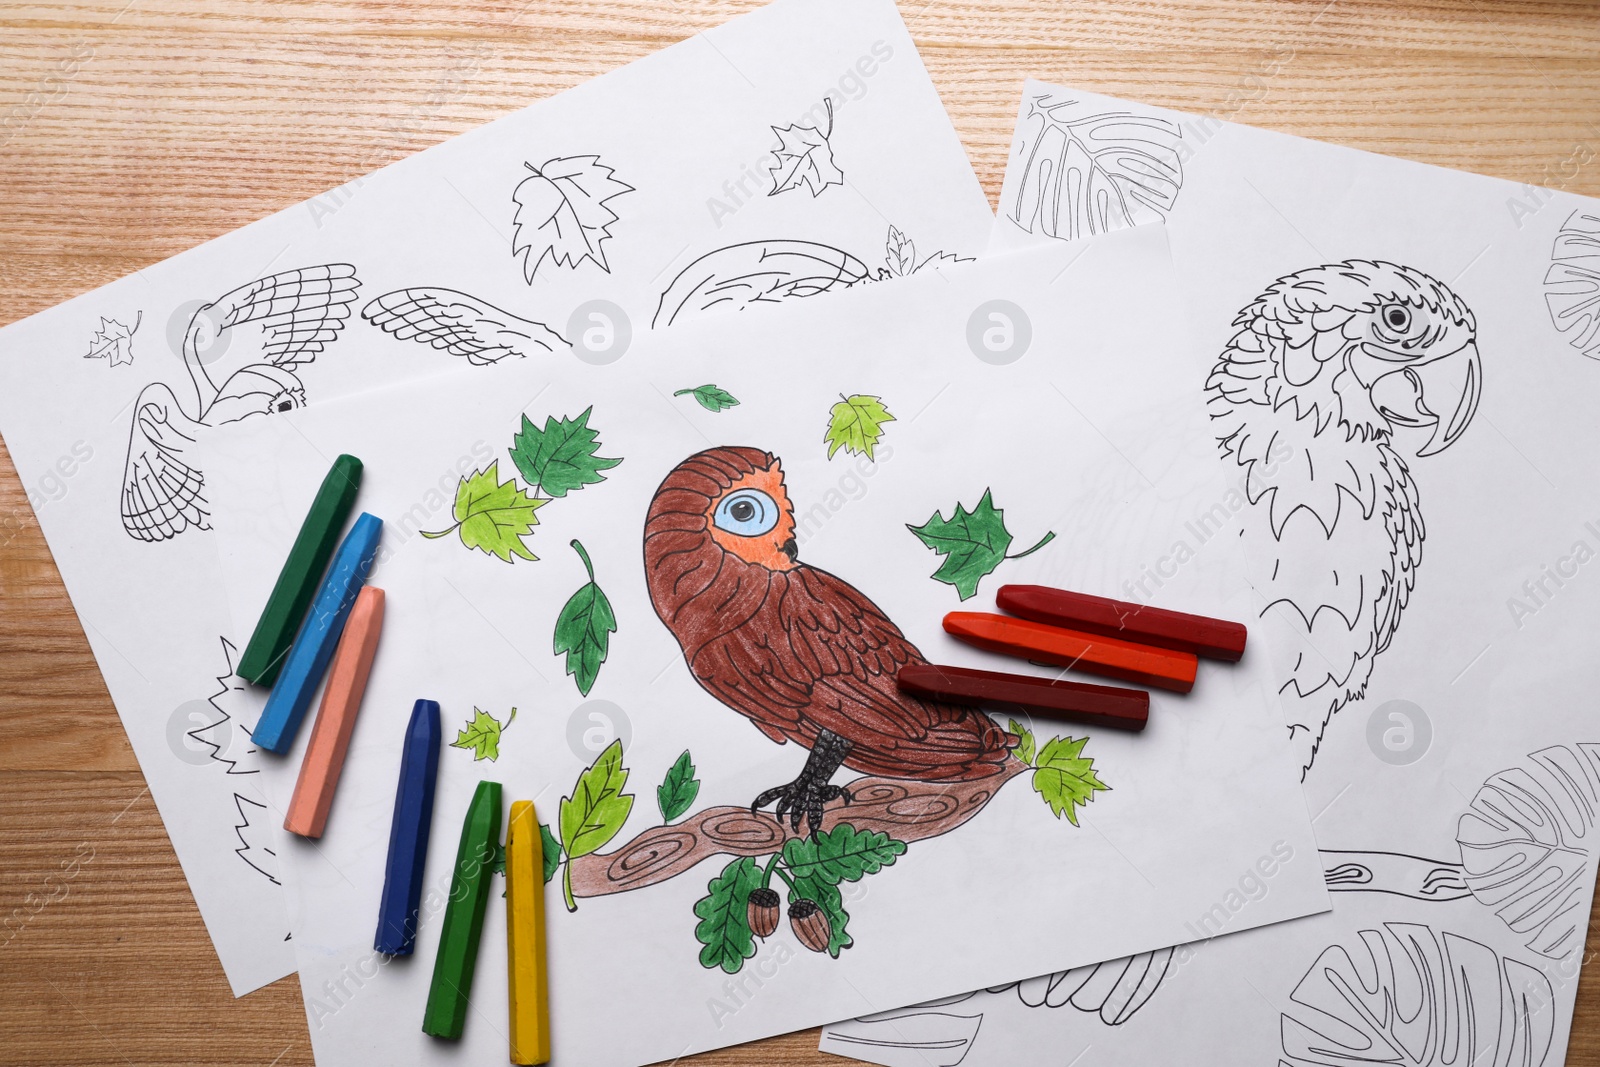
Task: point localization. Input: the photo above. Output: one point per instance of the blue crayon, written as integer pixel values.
(408, 834)
(319, 635)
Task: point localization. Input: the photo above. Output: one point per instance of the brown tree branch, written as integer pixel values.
(907, 810)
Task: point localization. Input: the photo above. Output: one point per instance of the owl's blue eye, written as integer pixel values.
(748, 513)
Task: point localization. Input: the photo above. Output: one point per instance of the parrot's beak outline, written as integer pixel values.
(1414, 396)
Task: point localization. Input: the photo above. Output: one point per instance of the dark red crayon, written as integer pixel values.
(1211, 638)
(1021, 694)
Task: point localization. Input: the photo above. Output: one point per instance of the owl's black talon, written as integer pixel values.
(804, 797)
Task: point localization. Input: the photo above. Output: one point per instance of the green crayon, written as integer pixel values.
(451, 988)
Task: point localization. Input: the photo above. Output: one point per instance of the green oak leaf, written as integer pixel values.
(855, 423)
(826, 896)
(552, 851)
(561, 457)
(972, 542)
(678, 790)
(1065, 778)
(1024, 749)
(497, 860)
(482, 735)
(710, 397)
(843, 854)
(724, 927)
(584, 628)
(493, 516)
(595, 812)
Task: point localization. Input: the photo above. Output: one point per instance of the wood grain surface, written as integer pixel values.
(184, 119)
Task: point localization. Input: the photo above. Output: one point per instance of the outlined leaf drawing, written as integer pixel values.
(595, 812)
(460, 324)
(710, 397)
(113, 342)
(493, 516)
(738, 276)
(562, 213)
(1572, 284)
(900, 255)
(584, 628)
(677, 790)
(804, 156)
(973, 543)
(1065, 777)
(724, 927)
(481, 736)
(1025, 743)
(855, 424)
(843, 854)
(1410, 994)
(552, 852)
(1086, 173)
(561, 457)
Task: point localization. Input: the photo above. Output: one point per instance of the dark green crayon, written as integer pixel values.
(451, 988)
(302, 573)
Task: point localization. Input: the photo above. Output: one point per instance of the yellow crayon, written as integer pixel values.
(525, 946)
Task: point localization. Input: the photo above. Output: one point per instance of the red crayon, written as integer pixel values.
(1211, 638)
(1021, 694)
(1112, 657)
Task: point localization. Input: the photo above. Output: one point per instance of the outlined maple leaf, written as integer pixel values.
(493, 516)
(973, 543)
(804, 156)
(562, 213)
(855, 423)
(113, 341)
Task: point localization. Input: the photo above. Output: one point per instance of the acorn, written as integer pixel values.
(810, 925)
(763, 911)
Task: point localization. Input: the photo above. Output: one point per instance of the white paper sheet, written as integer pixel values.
(796, 150)
(1457, 787)
(1049, 418)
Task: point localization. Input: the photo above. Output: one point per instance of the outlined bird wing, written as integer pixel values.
(460, 324)
(817, 656)
(299, 310)
(161, 492)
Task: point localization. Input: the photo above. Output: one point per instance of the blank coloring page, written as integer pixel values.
(1397, 364)
(799, 150)
(666, 599)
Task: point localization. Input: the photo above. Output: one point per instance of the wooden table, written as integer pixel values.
(184, 119)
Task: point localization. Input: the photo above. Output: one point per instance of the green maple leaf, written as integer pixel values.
(678, 789)
(972, 542)
(482, 735)
(552, 851)
(595, 811)
(724, 927)
(561, 457)
(710, 397)
(1024, 747)
(855, 423)
(843, 854)
(584, 629)
(492, 515)
(1065, 778)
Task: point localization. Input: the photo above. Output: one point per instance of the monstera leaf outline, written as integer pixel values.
(1084, 174)
(1572, 285)
(1408, 995)
(1525, 848)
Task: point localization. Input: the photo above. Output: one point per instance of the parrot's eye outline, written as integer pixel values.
(746, 513)
(1396, 317)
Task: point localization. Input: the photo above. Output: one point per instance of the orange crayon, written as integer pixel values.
(1163, 668)
(336, 717)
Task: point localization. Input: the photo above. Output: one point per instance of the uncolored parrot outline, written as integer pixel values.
(1327, 366)
(803, 654)
(296, 314)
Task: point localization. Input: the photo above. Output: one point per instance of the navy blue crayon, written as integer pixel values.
(408, 834)
(319, 635)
